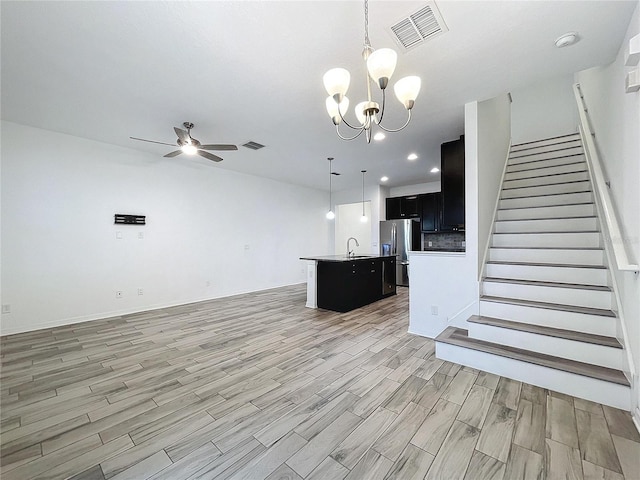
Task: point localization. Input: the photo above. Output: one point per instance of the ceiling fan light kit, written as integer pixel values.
(190, 146)
(381, 64)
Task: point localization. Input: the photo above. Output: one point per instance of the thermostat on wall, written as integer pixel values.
(130, 219)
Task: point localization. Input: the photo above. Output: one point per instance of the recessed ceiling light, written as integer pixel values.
(412, 156)
(567, 39)
(435, 170)
(384, 179)
(378, 136)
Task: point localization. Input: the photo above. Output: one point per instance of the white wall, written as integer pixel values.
(372, 193)
(494, 132)
(210, 232)
(545, 109)
(615, 118)
(449, 282)
(349, 224)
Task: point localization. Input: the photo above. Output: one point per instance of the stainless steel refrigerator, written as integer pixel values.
(399, 237)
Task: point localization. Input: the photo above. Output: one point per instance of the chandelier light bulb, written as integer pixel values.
(336, 82)
(381, 64)
(189, 149)
(330, 215)
(360, 115)
(407, 90)
(332, 109)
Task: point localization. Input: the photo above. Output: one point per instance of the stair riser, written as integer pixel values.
(571, 257)
(558, 141)
(559, 240)
(550, 225)
(558, 347)
(547, 200)
(579, 322)
(534, 148)
(562, 211)
(541, 164)
(548, 180)
(546, 190)
(541, 172)
(523, 157)
(584, 276)
(567, 296)
(606, 393)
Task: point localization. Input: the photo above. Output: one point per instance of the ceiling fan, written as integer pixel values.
(190, 145)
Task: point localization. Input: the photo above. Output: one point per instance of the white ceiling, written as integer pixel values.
(247, 70)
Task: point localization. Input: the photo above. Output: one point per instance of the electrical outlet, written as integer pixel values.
(119, 294)
(140, 291)
(140, 235)
(430, 243)
(434, 310)
(246, 246)
(208, 283)
(6, 308)
(119, 235)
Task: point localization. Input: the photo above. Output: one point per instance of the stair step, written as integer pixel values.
(548, 331)
(547, 163)
(546, 180)
(550, 211)
(523, 157)
(541, 190)
(557, 200)
(545, 255)
(550, 306)
(582, 274)
(547, 171)
(527, 225)
(575, 142)
(538, 283)
(459, 337)
(554, 265)
(546, 239)
(546, 141)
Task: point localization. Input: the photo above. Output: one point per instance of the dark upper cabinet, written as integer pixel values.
(452, 183)
(399, 208)
(430, 218)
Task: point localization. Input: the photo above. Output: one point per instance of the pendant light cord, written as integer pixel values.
(367, 43)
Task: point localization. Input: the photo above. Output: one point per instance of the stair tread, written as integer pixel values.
(542, 153)
(542, 168)
(547, 194)
(575, 134)
(540, 233)
(548, 331)
(551, 248)
(537, 219)
(548, 206)
(542, 176)
(553, 265)
(543, 185)
(460, 337)
(539, 283)
(549, 306)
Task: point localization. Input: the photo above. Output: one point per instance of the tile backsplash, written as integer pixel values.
(448, 240)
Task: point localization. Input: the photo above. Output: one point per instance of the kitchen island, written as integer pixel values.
(342, 283)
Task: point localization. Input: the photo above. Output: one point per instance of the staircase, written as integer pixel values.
(546, 313)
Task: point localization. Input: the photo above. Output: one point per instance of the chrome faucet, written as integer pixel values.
(350, 253)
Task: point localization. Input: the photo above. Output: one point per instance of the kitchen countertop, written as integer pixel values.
(344, 258)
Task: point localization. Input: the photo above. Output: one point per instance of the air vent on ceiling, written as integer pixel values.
(419, 27)
(253, 145)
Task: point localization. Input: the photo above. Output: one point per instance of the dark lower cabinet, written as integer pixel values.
(344, 286)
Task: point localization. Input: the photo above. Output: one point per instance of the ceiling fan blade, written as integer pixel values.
(182, 135)
(218, 147)
(173, 154)
(209, 156)
(153, 141)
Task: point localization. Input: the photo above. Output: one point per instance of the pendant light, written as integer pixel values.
(330, 214)
(363, 218)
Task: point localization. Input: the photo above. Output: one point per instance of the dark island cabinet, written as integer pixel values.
(452, 183)
(344, 286)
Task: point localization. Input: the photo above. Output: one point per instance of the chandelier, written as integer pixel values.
(380, 66)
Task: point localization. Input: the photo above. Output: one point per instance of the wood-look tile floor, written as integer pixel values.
(259, 387)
